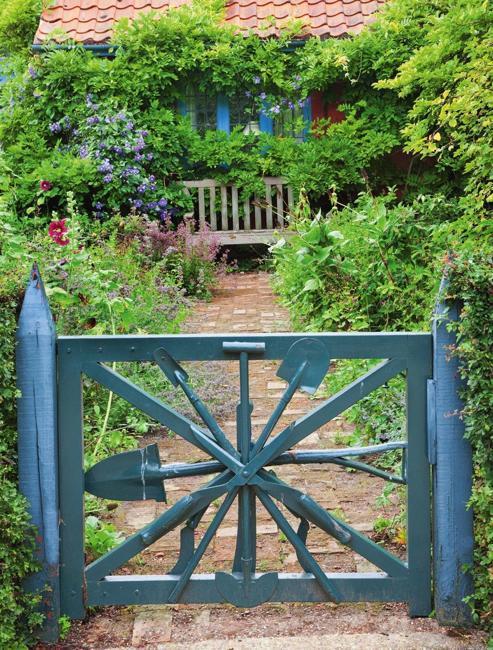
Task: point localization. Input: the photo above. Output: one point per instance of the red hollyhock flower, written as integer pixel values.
(45, 185)
(57, 231)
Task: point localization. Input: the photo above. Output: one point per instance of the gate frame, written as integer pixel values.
(448, 451)
(414, 350)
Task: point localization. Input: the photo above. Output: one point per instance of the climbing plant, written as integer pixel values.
(157, 58)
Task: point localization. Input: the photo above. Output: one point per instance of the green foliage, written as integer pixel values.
(451, 81)
(376, 264)
(471, 282)
(100, 537)
(64, 625)
(98, 282)
(17, 610)
(159, 59)
(360, 267)
(18, 23)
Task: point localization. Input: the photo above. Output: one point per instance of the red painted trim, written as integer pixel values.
(334, 113)
(318, 107)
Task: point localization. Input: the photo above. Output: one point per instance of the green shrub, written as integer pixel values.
(17, 610)
(360, 266)
(18, 23)
(471, 282)
(376, 266)
(100, 537)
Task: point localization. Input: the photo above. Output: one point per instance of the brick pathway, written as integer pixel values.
(245, 303)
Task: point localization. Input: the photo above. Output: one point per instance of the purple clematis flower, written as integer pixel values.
(105, 166)
(108, 178)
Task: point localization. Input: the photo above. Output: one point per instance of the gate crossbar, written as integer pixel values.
(401, 581)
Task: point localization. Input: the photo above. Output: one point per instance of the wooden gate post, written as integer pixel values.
(37, 443)
(451, 456)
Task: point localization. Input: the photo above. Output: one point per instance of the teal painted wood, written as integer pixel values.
(418, 496)
(452, 477)
(307, 117)
(71, 475)
(37, 443)
(241, 473)
(266, 123)
(202, 347)
(222, 114)
(147, 590)
(138, 475)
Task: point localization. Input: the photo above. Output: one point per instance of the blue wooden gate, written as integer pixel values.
(243, 470)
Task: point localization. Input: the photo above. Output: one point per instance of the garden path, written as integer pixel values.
(245, 303)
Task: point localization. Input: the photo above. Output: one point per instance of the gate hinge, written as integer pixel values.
(431, 388)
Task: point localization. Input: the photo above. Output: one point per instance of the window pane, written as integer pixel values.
(289, 122)
(201, 109)
(241, 111)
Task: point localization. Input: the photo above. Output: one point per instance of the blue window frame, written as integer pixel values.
(210, 112)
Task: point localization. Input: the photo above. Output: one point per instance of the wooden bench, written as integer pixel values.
(252, 221)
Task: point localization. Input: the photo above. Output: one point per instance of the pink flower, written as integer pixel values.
(57, 231)
(45, 185)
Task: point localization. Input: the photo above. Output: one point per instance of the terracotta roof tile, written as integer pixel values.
(92, 21)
